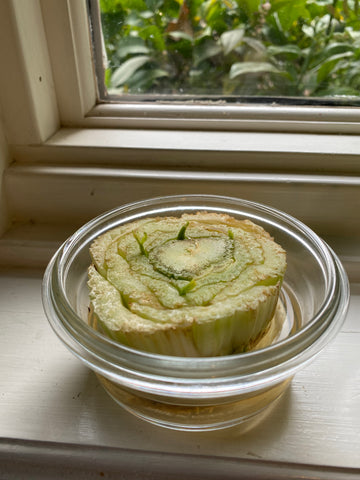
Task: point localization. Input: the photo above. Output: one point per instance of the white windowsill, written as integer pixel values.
(242, 151)
(49, 396)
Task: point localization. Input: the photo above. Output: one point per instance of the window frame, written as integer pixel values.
(190, 113)
(67, 96)
(65, 148)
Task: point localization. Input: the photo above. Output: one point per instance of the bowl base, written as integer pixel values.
(247, 410)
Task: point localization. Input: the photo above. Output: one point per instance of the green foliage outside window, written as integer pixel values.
(296, 48)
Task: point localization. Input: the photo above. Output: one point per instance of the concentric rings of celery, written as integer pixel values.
(203, 284)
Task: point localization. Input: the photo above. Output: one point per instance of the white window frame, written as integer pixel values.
(66, 149)
(160, 115)
(62, 105)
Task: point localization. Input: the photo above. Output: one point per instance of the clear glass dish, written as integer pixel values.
(213, 392)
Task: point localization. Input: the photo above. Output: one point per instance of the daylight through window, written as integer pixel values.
(299, 51)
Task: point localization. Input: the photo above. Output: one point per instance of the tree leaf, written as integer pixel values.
(146, 14)
(290, 11)
(292, 51)
(215, 16)
(207, 49)
(111, 5)
(154, 35)
(318, 9)
(144, 78)
(327, 67)
(154, 4)
(107, 77)
(127, 69)
(278, 4)
(178, 35)
(250, 6)
(242, 68)
(130, 46)
(336, 48)
(256, 45)
(354, 73)
(231, 39)
(338, 92)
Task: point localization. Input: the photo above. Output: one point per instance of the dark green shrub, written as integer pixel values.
(233, 47)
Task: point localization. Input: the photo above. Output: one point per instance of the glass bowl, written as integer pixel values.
(211, 392)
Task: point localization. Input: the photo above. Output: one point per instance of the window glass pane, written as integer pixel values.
(303, 51)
